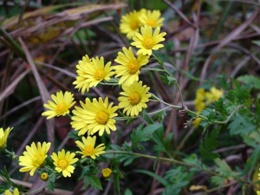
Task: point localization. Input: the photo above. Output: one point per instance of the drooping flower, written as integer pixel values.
(129, 66)
(34, 157)
(106, 172)
(15, 192)
(63, 162)
(151, 18)
(90, 72)
(60, 104)
(148, 40)
(3, 136)
(94, 116)
(134, 98)
(130, 24)
(88, 149)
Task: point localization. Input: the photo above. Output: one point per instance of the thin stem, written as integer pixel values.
(173, 161)
(170, 105)
(170, 74)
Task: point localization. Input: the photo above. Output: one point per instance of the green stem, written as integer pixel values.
(170, 74)
(173, 161)
(170, 105)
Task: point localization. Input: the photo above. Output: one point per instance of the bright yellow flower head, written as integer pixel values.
(129, 66)
(3, 136)
(106, 172)
(60, 104)
(130, 24)
(15, 192)
(44, 176)
(87, 147)
(258, 192)
(94, 116)
(213, 95)
(151, 18)
(90, 72)
(34, 157)
(204, 98)
(148, 40)
(134, 98)
(63, 162)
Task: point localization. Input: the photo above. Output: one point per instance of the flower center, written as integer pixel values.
(37, 160)
(63, 164)
(88, 150)
(102, 117)
(61, 108)
(134, 24)
(99, 75)
(148, 42)
(151, 23)
(133, 66)
(134, 98)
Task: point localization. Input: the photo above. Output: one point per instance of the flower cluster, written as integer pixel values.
(97, 116)
(204, 98)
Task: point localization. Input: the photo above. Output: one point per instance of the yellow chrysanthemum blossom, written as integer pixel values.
(258, 192)
(63, 162)
(106, 172)
(129, 66)
(130, 24)
(3, 136)
(34, 157)
(151, 18)
(148, 40)
(88, 149)
(60, 104)
(204, 98)
(44, 176)
(213, 95)
(134, 98)
(92, 71)
(94, 116)
(15, 192)
(81, 82)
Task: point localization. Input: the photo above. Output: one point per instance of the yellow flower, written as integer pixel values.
(15, 192)
(3, 136)
(151, 18)
(94, 116)
(200, 100)
(87, 147)
(213, 95)
(90, 72)
(129, 66)
(134, 98)
(81, 82)
(130, 24)
(148, 40)
(258, 192)
(60, 104)
(106, 172)
(34, 157)
(44, 176)
(63, 162)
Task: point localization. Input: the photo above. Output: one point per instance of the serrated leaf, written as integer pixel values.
(209, 144)
(142, 135)
(94, 182)
(250, 80)
(241, 125)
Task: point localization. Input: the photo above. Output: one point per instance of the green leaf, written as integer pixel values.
(250, 81)
(142, 135)
(51, 182)
(208, 144)
(154, 175)
(241, 124)
(94, 182)
(128, 192)
(162, 144)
